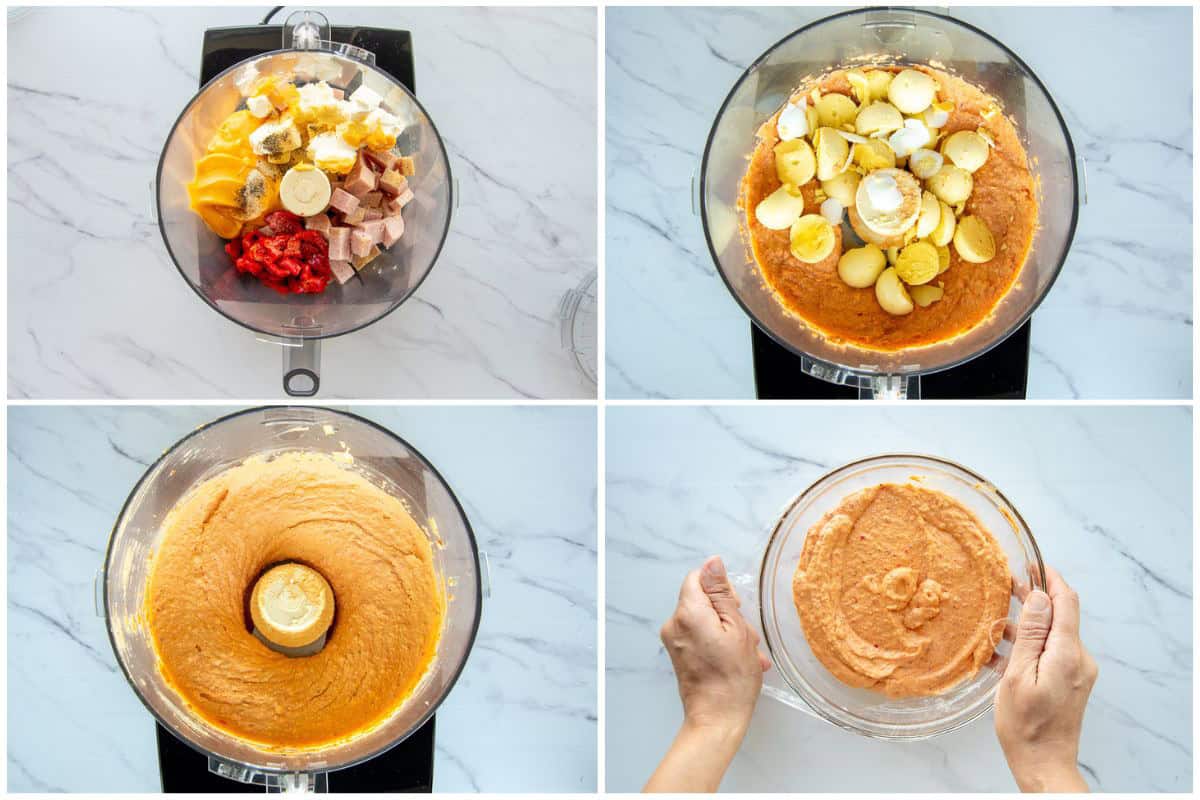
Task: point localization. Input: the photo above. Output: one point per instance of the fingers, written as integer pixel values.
(719, 590)
(763, 661)
(1066, 608)
(1032, 630)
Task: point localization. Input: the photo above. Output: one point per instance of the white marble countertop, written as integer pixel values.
(522, 717)
(1118, 323)
(1106, 491)
(96, 308)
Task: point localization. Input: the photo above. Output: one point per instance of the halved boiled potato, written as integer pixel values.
(973, 241)
(860, 266)
(795, 162)
(779, 209)
(944, 232)
(835, 110)
(931, 214)
(812, 239)
(891, 294)
(842, 187)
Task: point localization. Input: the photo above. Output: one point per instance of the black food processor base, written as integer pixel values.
(407, 767)
(999, 374)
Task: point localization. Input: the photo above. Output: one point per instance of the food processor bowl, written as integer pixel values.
(891, 37)
(800, 679)
(298, 320)
(387, 461)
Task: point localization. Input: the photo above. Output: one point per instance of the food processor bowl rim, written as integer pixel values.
(924, 734)
(441, 143)
(846, 367)
(433, 707)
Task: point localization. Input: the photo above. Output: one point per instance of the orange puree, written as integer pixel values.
(218, 191)
(302, 508)
(902, 590)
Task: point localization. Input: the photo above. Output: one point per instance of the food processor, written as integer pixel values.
(800, 681)
(385, 460)
(891, 37)
(306, 49)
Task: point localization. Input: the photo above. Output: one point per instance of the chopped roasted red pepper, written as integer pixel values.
(291, 259)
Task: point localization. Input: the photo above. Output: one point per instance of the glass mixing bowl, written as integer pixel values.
(383, 458)
(803, 676)
(342, 308)
(887, 36)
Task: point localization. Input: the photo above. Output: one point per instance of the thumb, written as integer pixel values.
(1032, 631)
(719, 590)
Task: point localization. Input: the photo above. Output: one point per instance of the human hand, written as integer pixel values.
(714, 651)
(1044, 691)
(719, 670)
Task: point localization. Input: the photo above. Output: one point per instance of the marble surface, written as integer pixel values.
(1106, 492)
(673, 330)
(522, 717)
(96, 308)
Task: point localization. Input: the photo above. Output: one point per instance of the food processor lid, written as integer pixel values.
(302, 764)
(852, 365)
(393, 277)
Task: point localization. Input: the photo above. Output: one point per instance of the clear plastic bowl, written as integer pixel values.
(387, 461)
(860, 710)
(888, 36)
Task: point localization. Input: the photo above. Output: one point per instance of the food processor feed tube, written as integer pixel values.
(385, 461)
(382, 276)
(862, 38)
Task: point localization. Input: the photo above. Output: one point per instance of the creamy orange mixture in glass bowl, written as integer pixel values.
(889, 207)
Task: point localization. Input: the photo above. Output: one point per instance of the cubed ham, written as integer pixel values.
(374, 229)
(362, 261)
(343, 201)
(362, 179)
(339, 94)
(393, 229)
(361, 242)
(372, 213)
(392, 182)
(319, 223)
(400, 201)
(356, 216)
(339, 244)
(372, 199)
(408, 165)
(382, 159)
(342, 270)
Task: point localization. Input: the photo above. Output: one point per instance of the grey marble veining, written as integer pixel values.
(522, 717)
(1107, 493)
(1118, 322)
(96, 308)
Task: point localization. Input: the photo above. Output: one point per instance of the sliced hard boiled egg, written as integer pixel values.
(812, 239)
(778, 210)
(944, 232)
(860, 266)
(951, 184)
(874, 154)
(833, 152)
(910, 138)
(879, 80)
(966, 149)
(835, 110)
(925, 163)
(938, 114)
(795, 162)
(891, 294)
(926, 295)
(917, 263)
(973, 241)
(878, 117)
(832, 210)
(842, 187)
(943, 258)
(860, 85)
(911, 91)
(931, 215)
(793, 122)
